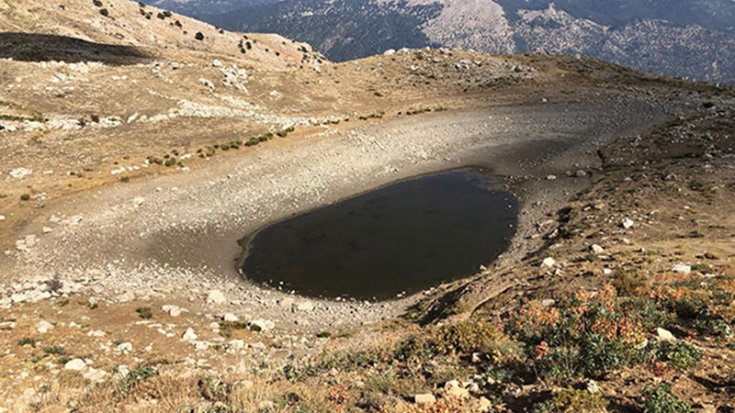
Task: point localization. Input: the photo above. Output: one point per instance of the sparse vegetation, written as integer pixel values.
(144, 312)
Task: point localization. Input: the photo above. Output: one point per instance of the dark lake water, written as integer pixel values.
(402, 238)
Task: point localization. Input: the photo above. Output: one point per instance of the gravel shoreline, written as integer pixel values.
(177, 235)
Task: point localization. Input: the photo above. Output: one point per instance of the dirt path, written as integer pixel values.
(177, 235)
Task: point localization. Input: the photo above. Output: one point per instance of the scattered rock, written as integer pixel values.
(125, 297)
(95, 375)
(216, 297)
(548, 262)
(424, 399)
(125, 347)
(20, 173)
(681, 268)
(452, 388)
(229, 317)
(44, 326)
(189, 335)
(484, 405)
(287, 302)
(597, 249)
(172, 310)
(261, 325)
(627, 223)
(7, 325)
(665, 335)
(592, 387)
(305, 306)
(75, 365)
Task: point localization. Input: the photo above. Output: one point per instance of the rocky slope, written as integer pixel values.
(689, 38)
(136, 155)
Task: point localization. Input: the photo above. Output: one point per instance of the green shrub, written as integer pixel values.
(55, 350)
(572, 401)
(680, 355)
(144, 312)
(137, 374)
(659, 399)
(27, 341)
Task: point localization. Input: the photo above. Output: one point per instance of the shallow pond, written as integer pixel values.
(398, 239)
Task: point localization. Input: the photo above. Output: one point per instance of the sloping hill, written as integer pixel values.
(128, 25)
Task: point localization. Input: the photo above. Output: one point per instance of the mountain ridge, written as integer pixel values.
(688, 38)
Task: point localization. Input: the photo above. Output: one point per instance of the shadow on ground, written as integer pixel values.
(32, 47)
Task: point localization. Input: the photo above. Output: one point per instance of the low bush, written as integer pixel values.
(572, 401)
(659, 399)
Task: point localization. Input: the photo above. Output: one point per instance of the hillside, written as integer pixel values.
(138, 157)
(686, 38)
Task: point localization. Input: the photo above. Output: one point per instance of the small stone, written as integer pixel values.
(95, 375)
(597, 249)
(627, 223)
(125, 347)
(138, 201)
(44, 326)
(548, 262)
(265, 405)
(549, 302)
(305, 306)
(665, 335)
(452, 388)
(216, 297)
(681, 268)
(172, 310)
(125, 297)
(2, 218)
(261, 325)
(287, 302)
(551, 177)
(7, 325)
(229, 317)
(96, 333)
(484, 405)
(237, 344)
(592, 387)
(424, 399)
(75, 365)
(189, 335)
